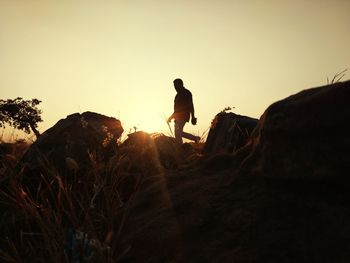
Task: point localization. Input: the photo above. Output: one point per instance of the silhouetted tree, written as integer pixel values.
(21, 114)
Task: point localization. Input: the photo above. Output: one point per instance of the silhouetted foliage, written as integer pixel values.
(337, 77)
(21, 114)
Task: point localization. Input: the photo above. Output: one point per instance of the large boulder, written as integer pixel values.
(228, 132)
(69, 146)
(142, 160)
(155, 150)
(306, 134)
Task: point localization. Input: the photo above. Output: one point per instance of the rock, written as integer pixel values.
(228, 132)
(139, 154)
(241, 215)
(168, 152)
(68, 147)
(141, 161)
(154, 150)
(306, 134)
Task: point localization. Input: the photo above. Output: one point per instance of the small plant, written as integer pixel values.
(228, 108)
(337, 77)
(133, 129)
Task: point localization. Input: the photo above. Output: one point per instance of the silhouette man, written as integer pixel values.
(183, 110)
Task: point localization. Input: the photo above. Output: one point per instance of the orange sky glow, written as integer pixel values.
(119, 58)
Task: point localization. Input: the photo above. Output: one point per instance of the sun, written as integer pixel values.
(152, 124)
(148, 121)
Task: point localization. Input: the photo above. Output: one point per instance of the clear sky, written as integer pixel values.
(119, 57)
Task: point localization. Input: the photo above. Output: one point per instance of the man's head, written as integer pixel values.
(178, 84)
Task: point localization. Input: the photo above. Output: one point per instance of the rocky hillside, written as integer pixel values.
(283, 197)
(267, 190)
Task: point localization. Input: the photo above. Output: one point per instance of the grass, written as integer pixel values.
(39, 225)
(77, 219)
(73, 219)
(337, 77)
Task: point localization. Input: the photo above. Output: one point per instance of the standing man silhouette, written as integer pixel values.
(183, 110)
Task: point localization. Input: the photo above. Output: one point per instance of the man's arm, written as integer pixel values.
(171, 117)
(193, 118)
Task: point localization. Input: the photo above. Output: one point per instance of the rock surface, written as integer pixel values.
(287, 202)
(306, 134)
(142, 158)
(156, 150)
(228, 132)
(282, 197)
(68, 147)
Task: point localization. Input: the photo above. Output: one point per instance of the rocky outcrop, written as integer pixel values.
(306, 134)
(282, 197)
(68, 147)
(288, 202)
(144, 159)
(155, 150)
(228, 132)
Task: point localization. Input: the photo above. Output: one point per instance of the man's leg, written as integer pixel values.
(179, 126)
(179, 133)
(191, 137)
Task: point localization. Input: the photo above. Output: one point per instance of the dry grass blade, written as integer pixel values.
(12, 255)
(204, 135)
(7, 258)
(170, 129)
(337, 77)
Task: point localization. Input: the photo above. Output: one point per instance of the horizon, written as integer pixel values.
(119, 58)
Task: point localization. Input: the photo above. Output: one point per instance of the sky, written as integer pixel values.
(119, 58)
